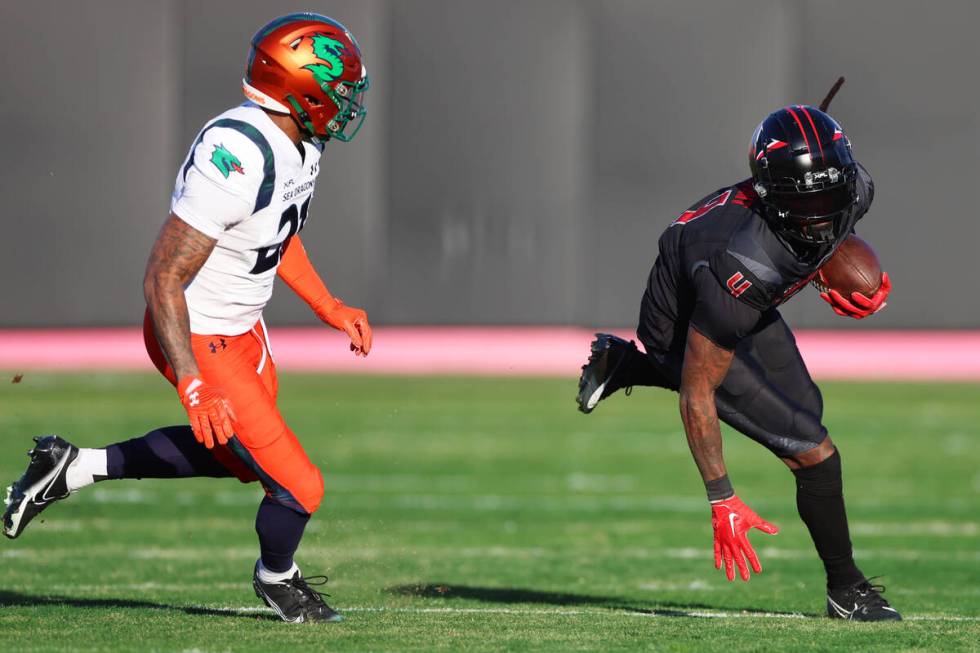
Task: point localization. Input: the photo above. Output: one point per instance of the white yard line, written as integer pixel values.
(574, 493)
(197, 587)
(340, 554)
(654, 613)
(935, 528)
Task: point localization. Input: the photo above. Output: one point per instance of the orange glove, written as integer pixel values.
(352, 321)
(298, 273)
(731, 520)
(209, 412)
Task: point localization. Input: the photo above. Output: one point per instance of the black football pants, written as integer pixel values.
(767, 395)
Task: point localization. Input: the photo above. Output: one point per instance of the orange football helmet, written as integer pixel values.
(309, 66)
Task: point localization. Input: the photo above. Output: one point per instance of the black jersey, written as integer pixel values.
(722, 269)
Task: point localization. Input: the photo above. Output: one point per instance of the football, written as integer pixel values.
(854, 267)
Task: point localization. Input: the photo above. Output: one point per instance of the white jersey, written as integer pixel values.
(245, 184)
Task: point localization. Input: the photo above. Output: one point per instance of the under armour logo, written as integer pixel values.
(214, 348)
(194, 398)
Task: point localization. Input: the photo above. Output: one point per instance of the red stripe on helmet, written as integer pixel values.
(815, 132)
(802, 131)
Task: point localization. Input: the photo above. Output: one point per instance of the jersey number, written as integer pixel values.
(738, 284)
(295, 219)
(694, 214)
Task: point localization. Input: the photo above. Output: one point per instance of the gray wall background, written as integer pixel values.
(520, 159)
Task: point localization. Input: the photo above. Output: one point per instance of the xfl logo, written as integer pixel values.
(738, 284)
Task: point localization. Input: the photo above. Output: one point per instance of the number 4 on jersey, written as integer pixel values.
(738, 284)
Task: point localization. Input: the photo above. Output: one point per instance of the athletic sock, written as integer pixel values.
(268, 576)
(167, 452)
(637, 369)
(820, 502)
(280, 529)
(87, 468)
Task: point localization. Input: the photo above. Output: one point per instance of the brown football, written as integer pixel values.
(854, 267)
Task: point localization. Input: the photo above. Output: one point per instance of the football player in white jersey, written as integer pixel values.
(241, 198)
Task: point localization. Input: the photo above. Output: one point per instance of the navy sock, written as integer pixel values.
(168, 452)
(280, 529)
(820, 502)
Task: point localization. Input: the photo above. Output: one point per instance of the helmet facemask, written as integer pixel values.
(348, 100)
(814, 210)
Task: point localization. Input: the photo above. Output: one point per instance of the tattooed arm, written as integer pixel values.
(177, 256)
(705, 367)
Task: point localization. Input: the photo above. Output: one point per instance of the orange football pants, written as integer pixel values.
(264, 448)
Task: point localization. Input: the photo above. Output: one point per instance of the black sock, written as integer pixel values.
(638, 370)
(820, 501)
(280, 529)
(168, 452)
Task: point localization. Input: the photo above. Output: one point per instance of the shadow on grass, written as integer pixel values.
(568, 599)
(11, 599)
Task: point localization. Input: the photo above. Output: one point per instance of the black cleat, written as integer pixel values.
(294, 600)
(598, 375)
(42, 484)
(860, 602)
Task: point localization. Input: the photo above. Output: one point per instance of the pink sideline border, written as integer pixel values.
(506, 351)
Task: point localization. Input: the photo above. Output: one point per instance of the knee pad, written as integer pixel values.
(823, 479)
(315, 491)
(808, 428)
(304, 494)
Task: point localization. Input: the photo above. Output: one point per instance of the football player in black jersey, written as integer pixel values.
(710, 323)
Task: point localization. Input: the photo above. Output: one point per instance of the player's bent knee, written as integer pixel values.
(821, 479)
(818, 454)
(316, 491)
(306, 493)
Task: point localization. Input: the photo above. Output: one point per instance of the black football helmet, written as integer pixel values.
(804, 173)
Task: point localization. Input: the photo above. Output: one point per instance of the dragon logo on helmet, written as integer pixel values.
(331, 51)
(309, 66)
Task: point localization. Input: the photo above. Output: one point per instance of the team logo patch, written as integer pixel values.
(329, 50)
(225, 161)
(738, 284)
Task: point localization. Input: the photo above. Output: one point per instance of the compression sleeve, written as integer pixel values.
(297, 271)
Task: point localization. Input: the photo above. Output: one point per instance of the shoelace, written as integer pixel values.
(871, 592)
(303, 586)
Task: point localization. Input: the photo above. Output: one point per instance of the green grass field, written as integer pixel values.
(484, 514)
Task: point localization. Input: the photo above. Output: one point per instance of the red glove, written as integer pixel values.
(859, 306)
(352, 321)
(731, 520)
(209, 412)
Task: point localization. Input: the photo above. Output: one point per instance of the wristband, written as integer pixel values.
(719, 489)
